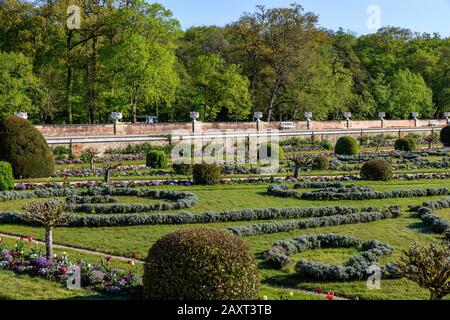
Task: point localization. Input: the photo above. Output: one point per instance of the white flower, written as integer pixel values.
(55, 255)
(265, 298)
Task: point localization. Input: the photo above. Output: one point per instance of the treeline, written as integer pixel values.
(133, 57)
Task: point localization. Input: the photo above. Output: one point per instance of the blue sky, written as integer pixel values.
(418, 15)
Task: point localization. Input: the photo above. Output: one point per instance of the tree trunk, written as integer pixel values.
(106, 175)
(296, 171)
(92, 163)
(49, 242)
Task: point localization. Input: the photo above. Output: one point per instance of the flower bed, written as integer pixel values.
(430, 220)
(98, 277)
(356, 268)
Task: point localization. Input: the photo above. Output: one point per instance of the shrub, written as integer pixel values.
(24, 147)
(200, 264)
(347, 146)
(184, 169)
(157, 159)
(6, 176)
(445, 136)
(378, 170)
(206, 174)
(320, 163)
(405, 144)
(273, 151)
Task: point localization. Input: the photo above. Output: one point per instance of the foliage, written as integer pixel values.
(157, 159)
(445, 136)
(88, 156)
(321, 163)
(268, 151)
(347, 146)
(206, 174)
(378, 169)
(185, 169)
(6, 176)
(202, 264)
(431, 139)
(24, 147)
(405, 144)
(429, 267)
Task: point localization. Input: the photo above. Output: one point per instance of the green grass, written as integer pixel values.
(399, 233)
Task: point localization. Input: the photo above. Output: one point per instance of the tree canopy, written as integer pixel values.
(133, 57)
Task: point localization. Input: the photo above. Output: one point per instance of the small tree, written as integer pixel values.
(49, 214)
(89, 155)
(431, 139)
(300, 163)
(429, 267)
(108, 165)
(379, 141)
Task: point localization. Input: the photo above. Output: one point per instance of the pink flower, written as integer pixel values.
(331, 296)
(30, 239)
(63, 270)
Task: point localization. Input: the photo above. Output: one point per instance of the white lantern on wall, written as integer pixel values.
(22, 115)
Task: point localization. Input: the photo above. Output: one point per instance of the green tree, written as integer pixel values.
(409, 93)
(218, 88)
(20, 89)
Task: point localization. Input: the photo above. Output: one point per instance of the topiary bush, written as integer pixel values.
(347, 146)
(405, 144)
(377, 169)
(320, 163)
(273, 151)
(157, 159)
(6, 176)
(445, 136)
(184, 169)
(24, 147)
(200, 264)
(206, 174)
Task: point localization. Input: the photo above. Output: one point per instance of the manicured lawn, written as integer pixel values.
(399, 233)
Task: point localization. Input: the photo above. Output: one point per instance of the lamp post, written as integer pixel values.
(347, 116)
(117, 116)
(22, 115)
(382, 115)
(415, 116)
(258, 116)
(447, 117)
(308, 116)
(194, 116)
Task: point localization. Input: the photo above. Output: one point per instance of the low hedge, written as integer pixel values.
(354, 193)
(181, 200)
(192, 218)
(184, 169)
(356, 268)
(277, 227)
(320, 163)
(157, 159)
(318, 185)
(430, 220)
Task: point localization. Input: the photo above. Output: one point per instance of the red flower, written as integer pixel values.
(318, 291)
(63, 270)
(30, 239)
(108, 258)
(331, 296)
(21, 238)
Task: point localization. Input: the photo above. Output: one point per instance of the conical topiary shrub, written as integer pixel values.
(24, 147)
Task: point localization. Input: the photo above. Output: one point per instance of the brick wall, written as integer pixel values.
(167, 128)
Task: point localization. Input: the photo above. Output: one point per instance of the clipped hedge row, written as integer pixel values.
(99, 204)
(356, 268)
(318, 185)
(191, 218)
(430, 220)
(353, 193)
(276, 227)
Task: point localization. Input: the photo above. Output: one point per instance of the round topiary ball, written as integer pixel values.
(347, 146)
(200, 264)
(206, 174)
(320, 163)
(445, 136)
(24, 147)
(157, 159)
(405, 144)
(378, 170)
(6, 176)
